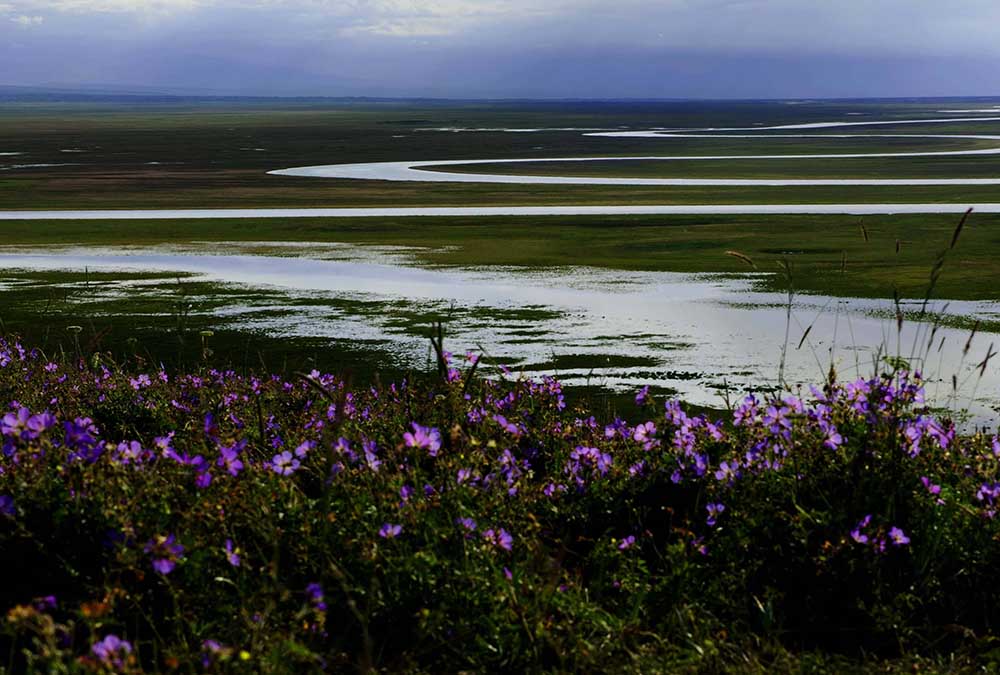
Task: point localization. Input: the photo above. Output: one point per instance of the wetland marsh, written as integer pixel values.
(611, 245)
(702, 336)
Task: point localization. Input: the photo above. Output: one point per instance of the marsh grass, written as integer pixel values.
(176, 340)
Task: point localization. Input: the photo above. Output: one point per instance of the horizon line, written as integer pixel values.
(94, 91)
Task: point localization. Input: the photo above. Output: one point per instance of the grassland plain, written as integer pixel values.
(159, 155)
(164, 154)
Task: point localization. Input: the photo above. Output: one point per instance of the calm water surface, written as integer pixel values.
(695, 334)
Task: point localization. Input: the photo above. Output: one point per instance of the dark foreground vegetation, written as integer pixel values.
(209, 521)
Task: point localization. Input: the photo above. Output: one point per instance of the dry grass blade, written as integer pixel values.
(959, 228)
(935, 276)
(804, 336)
(742, 256)
(470, 375)
(437, 342)
(968, 343)
(787, 268)
(989, 355)
(934, 330)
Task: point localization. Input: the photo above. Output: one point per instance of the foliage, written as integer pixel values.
(206, 520)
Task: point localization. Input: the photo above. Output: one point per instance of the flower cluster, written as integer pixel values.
(295, 518)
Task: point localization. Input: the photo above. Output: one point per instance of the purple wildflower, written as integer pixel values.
(405, 493)
(7, 506)
(898, 537)
(304, 448)
(284, 463)
(343, 447)
(506, 425)
(931, 487)
(644, 433)
(714, 511)
(390, 531)
(857, 534)
(833, 439)
(14, 423)
(627, 543)
(585, 458)
(500, 538)
(229, 457)
(164, 444)
(129, 452)
(371, 455)
(316, 598)
(552, 488)
(232, 553)
(427, 438)
(988, 494)
(468, 524)
(203, 478)
(617, 428)
(38, 424)
(166, 553)
(81, 438)
(714, 430)
(728, 471)
(112, 651)
(212, 649)
(211, 426)
(45, 603)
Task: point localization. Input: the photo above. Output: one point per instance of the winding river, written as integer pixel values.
(430, 170)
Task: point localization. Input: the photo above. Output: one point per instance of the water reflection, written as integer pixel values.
(692, 333)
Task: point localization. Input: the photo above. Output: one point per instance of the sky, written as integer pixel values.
(508, 48)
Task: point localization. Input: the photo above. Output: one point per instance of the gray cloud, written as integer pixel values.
(557, 48)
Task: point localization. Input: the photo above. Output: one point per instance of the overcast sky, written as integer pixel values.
(509, 48)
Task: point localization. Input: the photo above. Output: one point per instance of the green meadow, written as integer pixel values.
(842, 255)
(202, 155)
